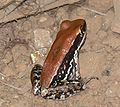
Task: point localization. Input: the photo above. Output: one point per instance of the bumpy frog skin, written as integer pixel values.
(59, 77)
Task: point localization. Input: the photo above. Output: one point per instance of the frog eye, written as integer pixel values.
(82, 31)
(84, 28)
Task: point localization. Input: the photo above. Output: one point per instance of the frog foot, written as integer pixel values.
(87, 80)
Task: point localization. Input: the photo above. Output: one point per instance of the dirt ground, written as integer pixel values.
(100, 56)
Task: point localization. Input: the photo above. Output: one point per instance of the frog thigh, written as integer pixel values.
(66, 90)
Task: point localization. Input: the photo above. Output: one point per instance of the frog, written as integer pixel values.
(59, 77)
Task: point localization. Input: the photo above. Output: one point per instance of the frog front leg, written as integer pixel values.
(35, 79)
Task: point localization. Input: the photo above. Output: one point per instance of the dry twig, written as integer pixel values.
(11, 86)
(2, 74)
(95, 11)
(45, 8)
(17, 6)
(6, 5)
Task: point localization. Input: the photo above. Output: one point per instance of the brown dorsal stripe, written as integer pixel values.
(59, 49)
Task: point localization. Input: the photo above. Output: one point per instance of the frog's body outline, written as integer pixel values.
(66, 81)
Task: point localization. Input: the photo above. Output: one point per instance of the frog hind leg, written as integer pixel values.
(63, 91)
(68, 89)
(35, 79)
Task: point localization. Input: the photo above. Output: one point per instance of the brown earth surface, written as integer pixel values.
(100, 56)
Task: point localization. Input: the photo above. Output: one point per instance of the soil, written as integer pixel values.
(100, 56)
